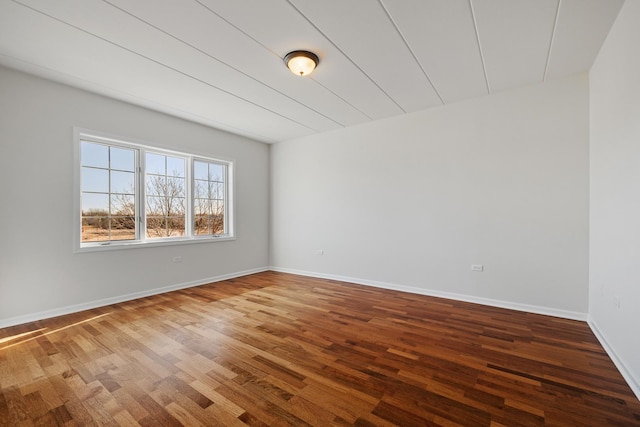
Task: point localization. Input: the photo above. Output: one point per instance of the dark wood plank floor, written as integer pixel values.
(273, 349)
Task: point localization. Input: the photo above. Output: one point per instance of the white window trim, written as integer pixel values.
(80, 134)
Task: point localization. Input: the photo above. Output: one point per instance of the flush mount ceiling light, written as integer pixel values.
(301, 62)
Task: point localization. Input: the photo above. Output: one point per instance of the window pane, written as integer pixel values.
(92, 154)
(217, 218)
(217, 225)
(207, 219)
(95, 204)
(176, 206)
(155, 164)
(175, 166)
(216, 172)
(156, 185)
(201, 206)
(156, 227)
(217, 190)
(201, 189)
(155, 206)
(159, 227)
(175, 187)
(209, 193)
(201, 224)
(96, 180)
(175, 226)
(122, 182)
(123, 228)
(122, 159)
(95, 229)
(166, 192)
(217, 208)
(200, 170)
(108, 200)
(123, 205)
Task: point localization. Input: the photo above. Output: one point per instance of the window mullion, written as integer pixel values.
(188, 202)
(142, 196)
(226, 200)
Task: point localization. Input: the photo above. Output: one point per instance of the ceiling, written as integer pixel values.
(219, 62)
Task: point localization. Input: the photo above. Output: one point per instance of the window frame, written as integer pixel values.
(228, 220)
(141, 149)
(144, 196)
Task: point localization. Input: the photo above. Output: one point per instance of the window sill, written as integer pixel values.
(150, 244)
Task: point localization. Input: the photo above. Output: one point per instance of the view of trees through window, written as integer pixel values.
(166, 190)
(108, 196)
(110, 200)
(209, 188)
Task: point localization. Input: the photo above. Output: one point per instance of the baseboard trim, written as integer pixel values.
(18, 320)
(565, 314)
(634, 383)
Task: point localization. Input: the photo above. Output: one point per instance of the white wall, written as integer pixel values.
(39, 273)
(615, 193)
(411, 202)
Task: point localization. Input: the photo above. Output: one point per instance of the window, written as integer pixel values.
(208, 197)
(166, 188)
(108, 176)
(131, 194)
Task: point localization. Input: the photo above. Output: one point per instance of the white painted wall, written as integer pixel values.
(39, 273)
(411, 202)
(615, 193)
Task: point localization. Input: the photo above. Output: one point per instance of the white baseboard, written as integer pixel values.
(634, 383)
(32, 317)
(565, 314)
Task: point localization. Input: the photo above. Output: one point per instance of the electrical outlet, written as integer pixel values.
(616, 301)
(320, 252)
(177, 259)
(477, 267)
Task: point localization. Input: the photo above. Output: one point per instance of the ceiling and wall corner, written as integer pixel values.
(219, 62)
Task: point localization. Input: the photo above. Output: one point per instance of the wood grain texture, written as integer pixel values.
(275, 349)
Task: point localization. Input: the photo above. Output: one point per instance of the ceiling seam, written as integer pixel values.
(341, 98)
(277, 56)
(221, 62)
(238, 28)
(484, 66)
(346, 56)
(553, 37)
(164, 65)
(406, 43)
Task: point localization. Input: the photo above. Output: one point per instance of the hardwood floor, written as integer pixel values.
(273, 349)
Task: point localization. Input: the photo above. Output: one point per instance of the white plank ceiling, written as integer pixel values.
(219, 62)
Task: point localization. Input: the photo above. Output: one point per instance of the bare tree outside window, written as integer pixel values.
(209, 196)
(165, 186)
(108, 195)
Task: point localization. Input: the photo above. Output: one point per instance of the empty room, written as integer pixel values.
(298, 212)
